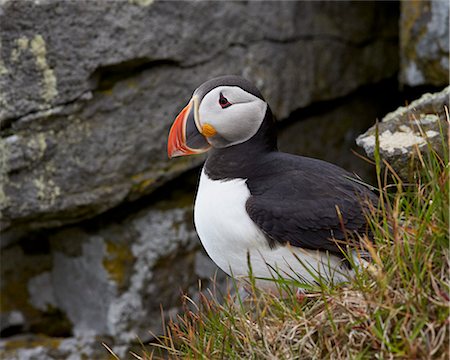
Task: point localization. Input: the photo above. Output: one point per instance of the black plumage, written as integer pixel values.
(299, 204)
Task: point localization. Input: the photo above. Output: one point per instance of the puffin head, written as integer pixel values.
(224, 111)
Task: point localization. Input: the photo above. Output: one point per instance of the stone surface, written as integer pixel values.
(424, 42)
(87, 99)
(328, 131)
(47, 348)
(108, 277)
(21, 266)
(403, 131)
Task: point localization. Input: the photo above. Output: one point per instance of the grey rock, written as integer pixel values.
(20, 271)
(45, 348)
(424, 42)
(407, 128)
(329, 133)
(108, 278)
(64, 43)
(37, 353)
(81, 286)
(204, 267)
(87, 99)
(40, 290)
(11, 319)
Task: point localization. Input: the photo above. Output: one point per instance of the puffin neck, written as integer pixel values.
(241, 160)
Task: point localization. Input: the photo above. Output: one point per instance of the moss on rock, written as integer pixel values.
(118, 262)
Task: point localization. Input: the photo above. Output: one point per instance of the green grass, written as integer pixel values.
(396, 308)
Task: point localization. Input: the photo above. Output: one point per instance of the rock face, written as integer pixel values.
(45, 348)
(108, 277)
(400, 132)
(424, 42)
(88, 90)
(329, 133)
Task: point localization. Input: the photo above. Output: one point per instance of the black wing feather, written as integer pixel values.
(294, 199)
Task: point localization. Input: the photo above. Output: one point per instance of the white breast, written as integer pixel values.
(228, 235)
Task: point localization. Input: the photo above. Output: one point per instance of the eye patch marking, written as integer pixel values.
(223, 101)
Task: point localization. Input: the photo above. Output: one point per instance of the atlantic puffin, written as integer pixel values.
(287, 215)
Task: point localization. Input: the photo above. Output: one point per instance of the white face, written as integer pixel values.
(235, 114)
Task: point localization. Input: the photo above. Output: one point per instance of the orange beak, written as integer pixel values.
(184, 137)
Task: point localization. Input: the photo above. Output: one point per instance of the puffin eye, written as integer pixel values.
(223, 101)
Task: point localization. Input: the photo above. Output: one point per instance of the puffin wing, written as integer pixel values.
(296, 202)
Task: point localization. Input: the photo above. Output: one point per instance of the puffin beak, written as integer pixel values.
(184, 137)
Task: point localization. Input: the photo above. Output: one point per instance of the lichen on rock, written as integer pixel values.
(143, 3)
(118, 261)
(49, 82)
(401, 140)
(408, 128)
(22, 45)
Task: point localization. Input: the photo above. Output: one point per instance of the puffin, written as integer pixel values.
(258, 208)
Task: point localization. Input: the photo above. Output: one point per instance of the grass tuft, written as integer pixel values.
(398, 307)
